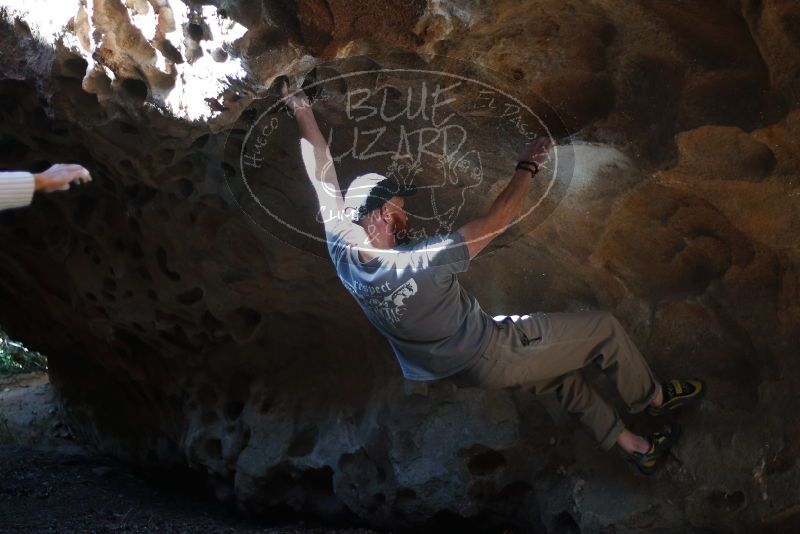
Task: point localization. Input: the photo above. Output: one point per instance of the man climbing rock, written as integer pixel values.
(17, 187)
(437, 330)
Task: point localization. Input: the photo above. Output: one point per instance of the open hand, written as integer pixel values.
(294, 101)
(59, 177)
(537, 151)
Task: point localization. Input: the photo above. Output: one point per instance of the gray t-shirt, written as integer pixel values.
(412, 296)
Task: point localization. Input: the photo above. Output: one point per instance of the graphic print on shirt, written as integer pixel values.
(389, 308)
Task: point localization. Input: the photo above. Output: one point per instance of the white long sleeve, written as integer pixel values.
(16, 189)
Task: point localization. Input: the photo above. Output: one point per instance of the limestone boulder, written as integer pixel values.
(194, 323)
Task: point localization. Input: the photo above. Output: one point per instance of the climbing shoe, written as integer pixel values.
(660, 442)
(678, 393)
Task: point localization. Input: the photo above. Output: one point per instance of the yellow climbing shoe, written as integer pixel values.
(678, 393)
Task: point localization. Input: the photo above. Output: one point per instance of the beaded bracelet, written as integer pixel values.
(526, 165)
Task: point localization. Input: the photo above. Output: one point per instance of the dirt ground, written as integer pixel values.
(49, 483)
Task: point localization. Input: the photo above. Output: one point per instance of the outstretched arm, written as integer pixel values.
(315, 152)
(17, 188)
(480, 232)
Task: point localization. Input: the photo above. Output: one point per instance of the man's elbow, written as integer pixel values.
(482, 233)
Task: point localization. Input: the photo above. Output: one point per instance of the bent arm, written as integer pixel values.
(481, 231)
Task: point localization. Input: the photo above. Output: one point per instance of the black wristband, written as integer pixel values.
(526, 165)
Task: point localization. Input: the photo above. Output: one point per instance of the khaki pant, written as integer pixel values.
(548, 351)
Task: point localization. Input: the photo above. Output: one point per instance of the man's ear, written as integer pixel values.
(386, 214)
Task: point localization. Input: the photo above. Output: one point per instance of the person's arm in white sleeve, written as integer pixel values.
(17, 187)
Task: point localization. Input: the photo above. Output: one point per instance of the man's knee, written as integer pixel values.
(610, 317)
(607, 322)
(612, 330)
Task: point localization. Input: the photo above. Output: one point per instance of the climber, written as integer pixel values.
(437, 330)
(17, 187)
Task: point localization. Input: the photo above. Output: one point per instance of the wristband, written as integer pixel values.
(526, 165)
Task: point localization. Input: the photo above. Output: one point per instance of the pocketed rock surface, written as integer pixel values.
(51, 484)
(180, 333)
